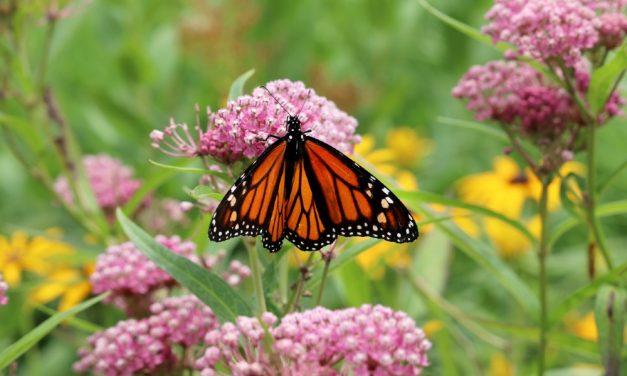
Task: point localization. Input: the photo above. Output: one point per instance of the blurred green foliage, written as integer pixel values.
(121, 68)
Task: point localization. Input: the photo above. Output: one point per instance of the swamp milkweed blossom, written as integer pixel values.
(241, 129)
(130, 275)
(146, 346)
(360, 341)
(111, 181)
(544, 30)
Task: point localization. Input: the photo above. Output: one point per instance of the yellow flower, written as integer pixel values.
(431, 327)
(505, 190)
(70, 284)
(582, 326)
(500, 366)
(373, 259)
(404, 147)
(407, 146)
(38, 255)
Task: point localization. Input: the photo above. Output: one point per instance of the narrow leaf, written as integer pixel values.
(447, 201)
(225, 302)
(13, 352)
(583, 294)
(237, 87)
(484, 255)
(203, 191)
(604, 79)
(475, 126)
(194, 170)
(463, 28)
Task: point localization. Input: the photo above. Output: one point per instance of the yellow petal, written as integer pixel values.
(583, 326)
(406, 180)
(12, 274)
(74, 295)
(500, 366)
(47, 292)
(366, 145)
(432, 326)
(408, 147)
(508, 240)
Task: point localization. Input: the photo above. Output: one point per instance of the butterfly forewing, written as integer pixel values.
(252, 205)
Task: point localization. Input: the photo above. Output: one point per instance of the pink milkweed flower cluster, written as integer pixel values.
(4, 287)
(515, 93)
(130, 276)
(242, 129)
(544, 30)
(369, 340)
(146, 346)
(111, 181)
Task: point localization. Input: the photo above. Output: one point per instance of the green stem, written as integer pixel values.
(256, 277)
(542, 255)
(300, 286)
(283, 279)
(596, 239)
(325, 273)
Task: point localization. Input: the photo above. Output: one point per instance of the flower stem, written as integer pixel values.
(595, 235)
(256, 276)
(325, 273)
(542, 254)
(295, 298)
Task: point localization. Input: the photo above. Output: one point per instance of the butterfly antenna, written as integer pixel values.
(275, 98)
(304, 102)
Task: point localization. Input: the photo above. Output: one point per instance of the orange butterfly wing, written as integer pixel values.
(255, 204)
(327, 195)
(332, 195)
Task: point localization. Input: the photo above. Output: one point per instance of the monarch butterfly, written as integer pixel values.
(303, 189)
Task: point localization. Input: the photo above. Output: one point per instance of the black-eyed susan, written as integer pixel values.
(69, 284)
(39, 255)
(505, 190)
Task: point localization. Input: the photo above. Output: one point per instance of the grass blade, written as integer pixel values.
(17, 349)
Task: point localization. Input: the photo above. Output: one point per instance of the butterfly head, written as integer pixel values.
(293, 123)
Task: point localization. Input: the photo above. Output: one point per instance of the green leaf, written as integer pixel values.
(604, 79)
(11, 353)
(434, 198)
(463, 28)
(193, 170)
(611, 176)
(475, 126)
(605, 210)
(237, 87)
(567, 191)
(77, 323)
(154, 181)
(609, 313)
(202, 191)
(225, 302)
(581, 295)
(483, 255)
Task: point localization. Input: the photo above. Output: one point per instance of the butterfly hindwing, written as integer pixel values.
(252, 205)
